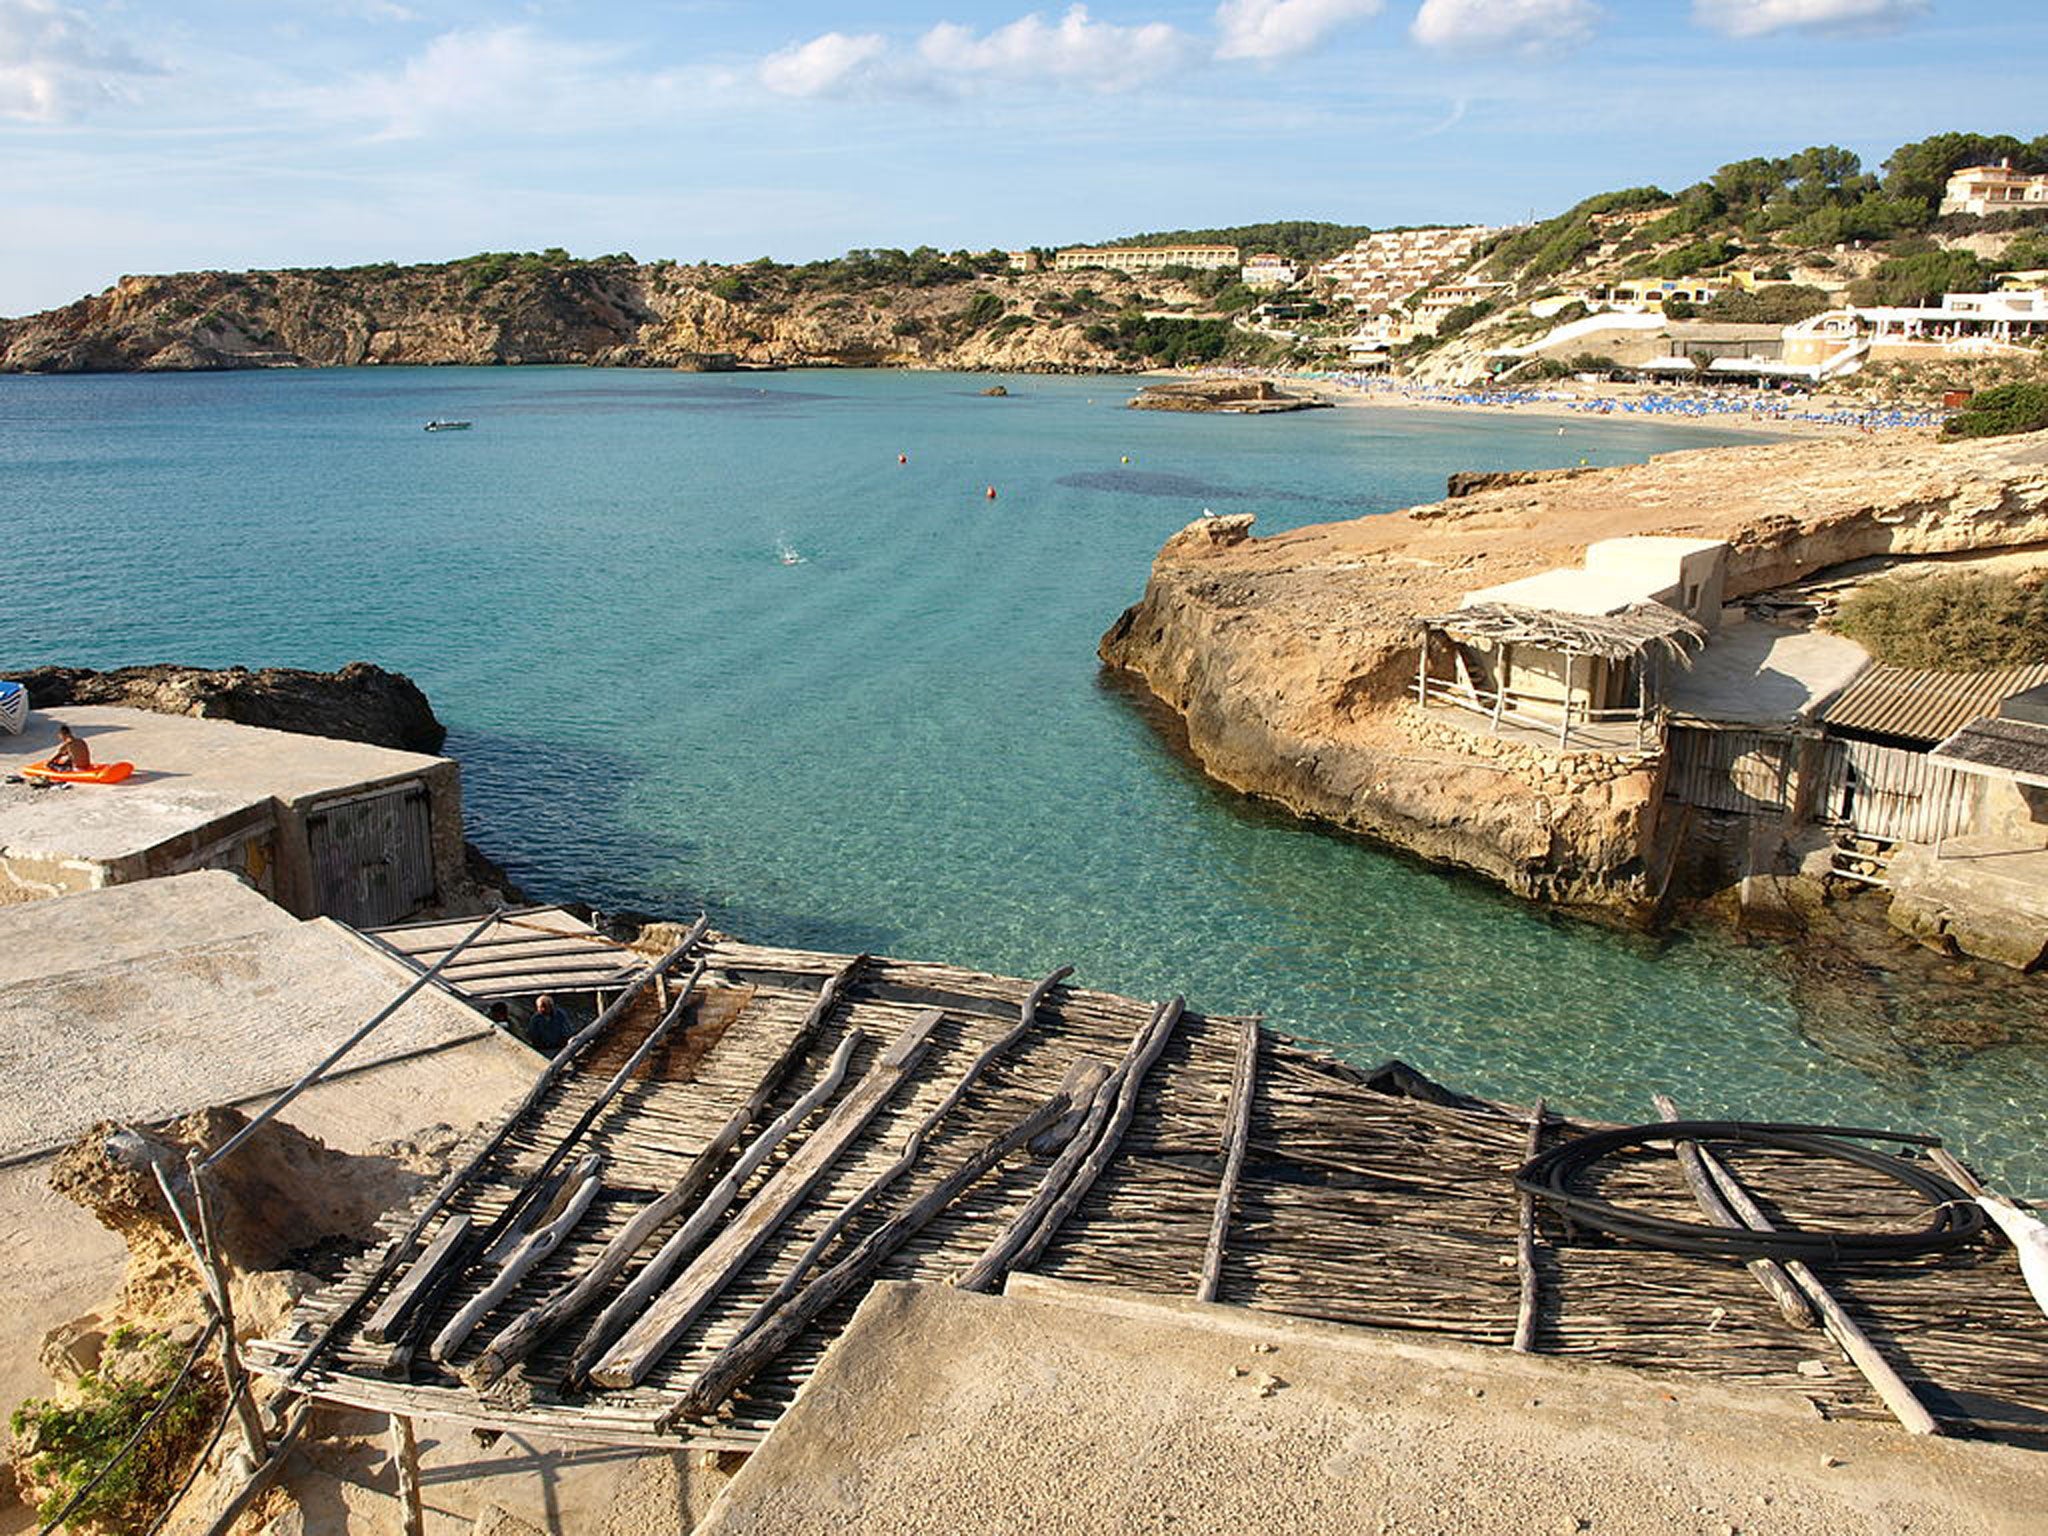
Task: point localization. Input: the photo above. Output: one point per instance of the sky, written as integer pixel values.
(164, 135)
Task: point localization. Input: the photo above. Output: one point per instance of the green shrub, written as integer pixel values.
(1959, 622)
(2001, 412)
(984, 309)
(68, 1443)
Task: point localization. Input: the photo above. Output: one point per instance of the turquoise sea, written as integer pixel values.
(702, 639)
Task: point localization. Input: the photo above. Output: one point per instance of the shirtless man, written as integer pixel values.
(72, 755)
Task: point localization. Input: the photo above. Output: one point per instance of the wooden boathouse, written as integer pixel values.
(656, 1247)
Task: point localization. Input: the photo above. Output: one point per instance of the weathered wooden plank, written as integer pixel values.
(1529, 1304)
(743, 1359)
(1771, 1275)
(1237, 1130)
(528, 1332)
(541, 1242)
(405, 1462)
(1886, 1382)
(630, 1302)
(650, 1337)
(911, 1149)
(1103, 1151)
(405, 1296)
(395, 1253)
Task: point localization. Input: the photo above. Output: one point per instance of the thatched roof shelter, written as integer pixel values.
(1640, 628)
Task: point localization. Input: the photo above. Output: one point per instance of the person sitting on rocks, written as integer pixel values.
(72, 755)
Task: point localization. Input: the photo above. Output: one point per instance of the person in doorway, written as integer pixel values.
(549, 1028)
(72, 755)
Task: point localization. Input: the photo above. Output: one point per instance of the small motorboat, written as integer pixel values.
(448, 426)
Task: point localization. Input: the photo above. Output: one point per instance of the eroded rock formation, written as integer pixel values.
(361, 702)
(1291, 659)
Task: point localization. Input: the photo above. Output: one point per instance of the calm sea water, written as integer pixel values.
(701, 639)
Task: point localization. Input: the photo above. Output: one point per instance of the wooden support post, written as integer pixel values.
(740, 1361)
(1503, 669)
(1422, 673)
(1564, 726)
(405, 1460)
(713, 1269)
(1890, 1387)
(266, 1470)
(213, 1275)
(1528, 1308)
(529, 1331)
(1237, 1129)
(1771, 1275)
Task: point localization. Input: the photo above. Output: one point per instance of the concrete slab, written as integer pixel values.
(1061, 1408)
(1753, 673)
(226, 1022)
(124, 922)
(190, 774)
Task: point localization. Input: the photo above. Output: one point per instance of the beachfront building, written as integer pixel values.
(1641, 295)
(1433, 304)
(1576, 656)
(1268, 270)
(1962, 324)
(1146, 258)
(1383, 271)
(1982, 189)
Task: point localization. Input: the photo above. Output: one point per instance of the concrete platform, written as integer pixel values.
(124, 922)
(230, 1021)
(1061, 1408)
(204, 793)
(1753, 673)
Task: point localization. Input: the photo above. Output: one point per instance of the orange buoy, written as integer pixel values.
(991, 493)
(902, 458)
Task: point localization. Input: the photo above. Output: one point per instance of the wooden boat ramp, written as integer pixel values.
(657, 1246)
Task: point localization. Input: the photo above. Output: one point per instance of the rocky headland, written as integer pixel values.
(1291, 660)
(613, 311)
(1230, 397)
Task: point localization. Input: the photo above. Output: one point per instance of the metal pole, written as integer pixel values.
(270, 1110)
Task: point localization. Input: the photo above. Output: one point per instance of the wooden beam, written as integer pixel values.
(529, 1331)
(713, 1269)
(544, 1240)
(1528, 1306)
(1104, 1150)
(405, 1296)
(396, 1251)
(740, 1361)
(405, 1461)
(1890, 1387)
(1237, 1128)
(1768, 1273)
(627, 1306)
(911, 1148)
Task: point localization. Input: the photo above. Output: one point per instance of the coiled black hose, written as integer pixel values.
(1957, 1219)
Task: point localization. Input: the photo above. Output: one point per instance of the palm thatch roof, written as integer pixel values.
(1616, 636)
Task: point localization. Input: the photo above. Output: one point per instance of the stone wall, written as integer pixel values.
(1539, 768)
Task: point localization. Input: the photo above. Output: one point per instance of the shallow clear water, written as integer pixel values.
(900, 740)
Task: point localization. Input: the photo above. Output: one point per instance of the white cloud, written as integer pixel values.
(1756, 18)
(54, 62)
(825, 66)
(1280, 29)
(509, 78)
(1531, 26)
(1075, 50)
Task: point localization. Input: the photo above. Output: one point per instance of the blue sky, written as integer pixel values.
(157, 135)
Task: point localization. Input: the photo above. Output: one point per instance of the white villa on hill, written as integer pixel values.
(1145, 258)
(1982, 189)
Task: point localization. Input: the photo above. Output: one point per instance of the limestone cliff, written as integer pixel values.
(1291, 660)
(612, 311)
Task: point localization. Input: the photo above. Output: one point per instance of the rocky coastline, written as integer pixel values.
(1290, 660)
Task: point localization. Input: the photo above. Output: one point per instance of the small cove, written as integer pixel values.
(903, 742)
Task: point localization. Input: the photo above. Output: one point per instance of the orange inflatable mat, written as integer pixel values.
(100, 773)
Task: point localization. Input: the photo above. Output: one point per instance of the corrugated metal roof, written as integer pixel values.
(1920, 704)
(2004, 749)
